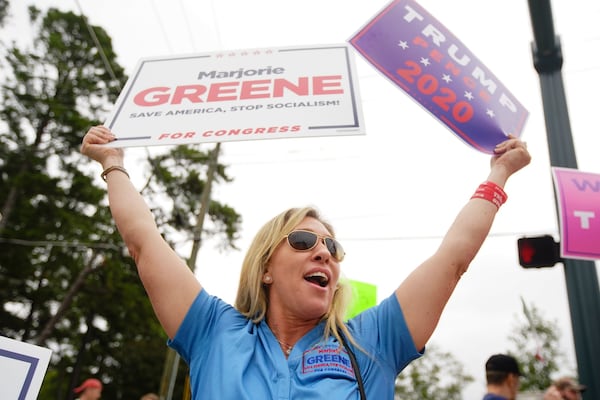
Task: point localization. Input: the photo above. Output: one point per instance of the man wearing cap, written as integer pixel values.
(90, 389)
(564, 388)
(502, 375)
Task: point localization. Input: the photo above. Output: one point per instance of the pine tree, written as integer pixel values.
(536, 343)
(436, 375)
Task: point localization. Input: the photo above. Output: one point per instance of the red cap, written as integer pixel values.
(88, 383)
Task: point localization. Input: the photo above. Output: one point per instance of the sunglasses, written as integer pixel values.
(306, 240)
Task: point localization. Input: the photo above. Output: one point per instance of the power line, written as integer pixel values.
(97, 43)
(218, 32)
(162, 26)
(110, 246)
(59, 243)
(429, 237)
(187, 24)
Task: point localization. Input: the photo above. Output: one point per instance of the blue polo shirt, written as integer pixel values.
(490, 396)
(231, 358)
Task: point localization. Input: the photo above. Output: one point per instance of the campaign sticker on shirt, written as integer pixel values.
(327, 359)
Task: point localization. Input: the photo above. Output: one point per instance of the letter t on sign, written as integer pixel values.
(584, 217)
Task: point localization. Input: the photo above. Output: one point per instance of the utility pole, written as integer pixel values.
(580, 275)
(172, 359)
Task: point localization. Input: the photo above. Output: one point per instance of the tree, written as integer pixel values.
(58, 88)
(45, 198)
(65, 281)
(436, 375)
(3, 11)
(189, 189)
(179, 176)
(536, 343)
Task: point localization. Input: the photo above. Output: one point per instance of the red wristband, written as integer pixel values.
(491, 192)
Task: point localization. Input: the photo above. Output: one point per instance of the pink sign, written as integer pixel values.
(579, 197)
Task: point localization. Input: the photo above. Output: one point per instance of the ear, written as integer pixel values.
(515, 378)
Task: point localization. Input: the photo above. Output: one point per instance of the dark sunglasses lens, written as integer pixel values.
(335, 248)
(301, 240)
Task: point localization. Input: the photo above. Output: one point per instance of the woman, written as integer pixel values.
(285, 338)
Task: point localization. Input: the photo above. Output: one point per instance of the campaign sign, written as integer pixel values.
(23, 367)
(579, 198)
(364, 297)
(239, 95)
(418, 54)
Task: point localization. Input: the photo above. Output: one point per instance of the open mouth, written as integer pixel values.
(317, 278)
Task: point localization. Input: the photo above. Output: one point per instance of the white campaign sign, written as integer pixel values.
(22, 367)
(239, 95)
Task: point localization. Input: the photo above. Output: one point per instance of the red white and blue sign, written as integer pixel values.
(579, 198)
(418, 54)
(248, 94)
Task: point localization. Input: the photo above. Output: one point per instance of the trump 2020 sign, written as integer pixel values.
(579, 199)
(418, 54)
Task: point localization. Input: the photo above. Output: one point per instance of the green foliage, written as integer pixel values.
(180, 175)
(436, 375)
(64, 280)
(59, 249)
(536, 343)
(3, 11)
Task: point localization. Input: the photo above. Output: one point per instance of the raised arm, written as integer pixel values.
(169, 282)
(425, 292)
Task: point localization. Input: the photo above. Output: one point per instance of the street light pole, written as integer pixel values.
(580, 275)
(172, 360)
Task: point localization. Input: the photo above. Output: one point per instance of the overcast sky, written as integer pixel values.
(392, 193)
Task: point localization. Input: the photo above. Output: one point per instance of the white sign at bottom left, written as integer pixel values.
(22, 369)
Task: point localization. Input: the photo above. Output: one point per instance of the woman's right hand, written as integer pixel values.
(93, 146)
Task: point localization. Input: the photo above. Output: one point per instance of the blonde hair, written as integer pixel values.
(252, 296)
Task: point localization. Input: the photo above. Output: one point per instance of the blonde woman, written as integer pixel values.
(285, 338)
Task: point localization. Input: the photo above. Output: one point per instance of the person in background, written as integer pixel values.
(90, 389)
(502, 375)
(149, 396)
(286, 335)
(565, 388)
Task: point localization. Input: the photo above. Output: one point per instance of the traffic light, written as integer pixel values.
(538, 251)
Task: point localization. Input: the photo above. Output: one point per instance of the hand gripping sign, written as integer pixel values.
(239, 95)
(428, 62)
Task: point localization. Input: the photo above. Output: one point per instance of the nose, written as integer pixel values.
(321, 250)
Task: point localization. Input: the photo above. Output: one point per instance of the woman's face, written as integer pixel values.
(302, 282)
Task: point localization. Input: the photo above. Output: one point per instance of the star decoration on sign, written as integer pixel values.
(490, 113)
(446, 78)
(403, 44)
(424, 61)
(469, 96)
